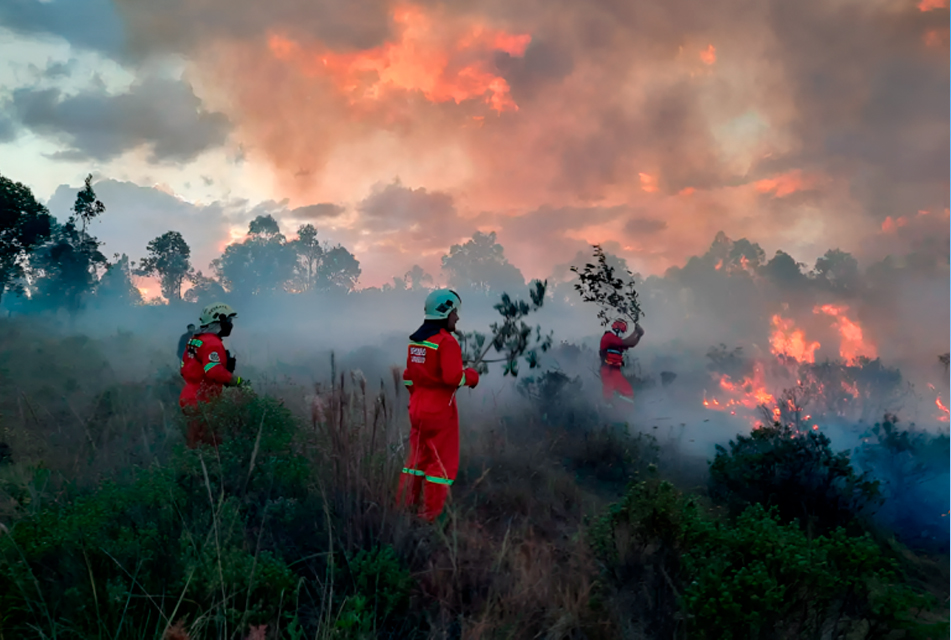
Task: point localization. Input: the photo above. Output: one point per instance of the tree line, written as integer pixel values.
(60, 265)
(55, 265)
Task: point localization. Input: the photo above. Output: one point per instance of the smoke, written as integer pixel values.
(790, 123)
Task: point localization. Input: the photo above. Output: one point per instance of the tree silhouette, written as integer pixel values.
(309, 253)
(480, 264)
(416, 279)
(204, 290)
(263, 263)
(87, 206)
(67, 269)
(169, 258)
(24, 224)
(116, 283)
(614, 294)
(838, 271)
(339, 270)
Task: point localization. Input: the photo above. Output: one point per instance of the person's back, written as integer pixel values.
(203, 368)
(434, 372)
(433, 369)
(183, 341)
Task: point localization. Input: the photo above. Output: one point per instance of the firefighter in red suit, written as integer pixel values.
(207, 367)
(613, 383)
(433, 374)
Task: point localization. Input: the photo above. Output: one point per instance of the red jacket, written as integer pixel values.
(204, 367)
(434, 372)
(612, 350)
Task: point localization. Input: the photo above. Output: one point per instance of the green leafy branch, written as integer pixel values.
(512, 337)
(616, 297)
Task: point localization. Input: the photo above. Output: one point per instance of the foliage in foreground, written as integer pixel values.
(749, 577)
(288, 529)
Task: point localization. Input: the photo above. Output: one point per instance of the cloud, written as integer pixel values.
(422, 219)
(8, 130)
(557, 123)
(163, 115)
(184, 25)
(88, 24)
(644, 226)
(315, 212)
(136, 214)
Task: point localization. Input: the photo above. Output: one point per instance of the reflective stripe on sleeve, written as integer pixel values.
(413, 472)
(462, 382)
(210, 365)
(436, 480)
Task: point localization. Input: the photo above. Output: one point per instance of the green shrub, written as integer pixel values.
(796, 472)
(676, 572)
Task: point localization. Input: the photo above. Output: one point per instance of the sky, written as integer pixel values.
(399, 129)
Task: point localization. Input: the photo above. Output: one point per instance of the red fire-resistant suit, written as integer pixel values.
(204, 368)
(433, 374)
(612, 359)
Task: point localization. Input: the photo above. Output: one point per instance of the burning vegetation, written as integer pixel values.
(814, 510)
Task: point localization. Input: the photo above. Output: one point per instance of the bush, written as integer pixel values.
(182, 540)
(911, 465)
(796, 472)
(673, 571)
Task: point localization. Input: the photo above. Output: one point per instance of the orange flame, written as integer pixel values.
(749, 393)
(434, 60)
(709, 55)
(853, 344)
(944, 415)
(930, 5)
(787, 340)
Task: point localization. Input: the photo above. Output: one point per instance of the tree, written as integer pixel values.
(262, 263)
(339, 269)
(67, 269)
(169, 258)
(785, 272)
(24, 224)
(309, 253)
(480, 264)
(416, 279)
(87, 205)
(204, 290)
(116, 283)
(838, 271)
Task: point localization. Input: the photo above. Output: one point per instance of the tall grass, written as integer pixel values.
(289, 529)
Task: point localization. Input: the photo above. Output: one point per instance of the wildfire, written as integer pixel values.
(943, 411)
(750, 393)
(709, 55)
(787, 340)
(853, 345)
(441, 61)
(930, 5)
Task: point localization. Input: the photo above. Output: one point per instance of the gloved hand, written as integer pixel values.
(238, 381)
(232, 362)
(472, 378)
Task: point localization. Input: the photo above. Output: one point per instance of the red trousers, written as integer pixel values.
(199, 432)
(433, 460)
(613, 381)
